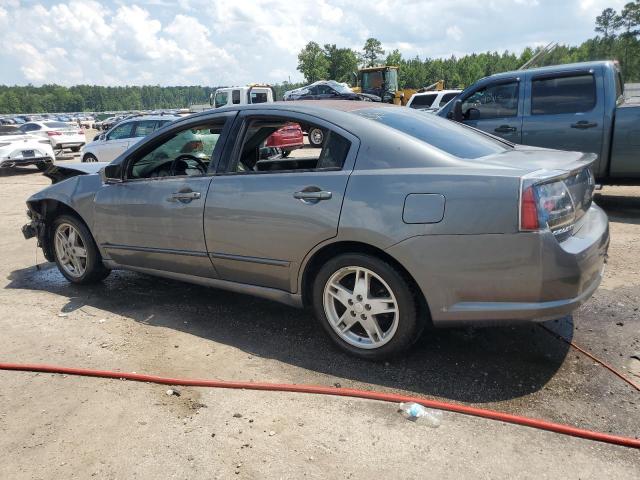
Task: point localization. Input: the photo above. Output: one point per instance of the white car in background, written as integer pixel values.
(432, 100)
(61, 135)
(107, 146)
(18, 149)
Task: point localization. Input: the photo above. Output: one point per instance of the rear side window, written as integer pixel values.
(423, 101)
(445, 135)
(557, 95)
(235, 97)
(446, 98)
(144, 128)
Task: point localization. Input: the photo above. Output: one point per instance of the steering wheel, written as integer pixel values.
(185, 158)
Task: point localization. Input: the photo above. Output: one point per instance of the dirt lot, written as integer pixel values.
(70, 427)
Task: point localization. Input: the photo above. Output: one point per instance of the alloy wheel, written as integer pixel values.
(70, 250)
(361, 307)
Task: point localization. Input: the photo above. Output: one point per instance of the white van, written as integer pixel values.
(241, 95)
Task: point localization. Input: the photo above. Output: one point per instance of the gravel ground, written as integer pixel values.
(69, 427)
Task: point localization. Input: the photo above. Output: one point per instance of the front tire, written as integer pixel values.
(89, 158)
(75, 252)
(366, 306)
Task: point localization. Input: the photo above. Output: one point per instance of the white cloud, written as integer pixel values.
(182, 42)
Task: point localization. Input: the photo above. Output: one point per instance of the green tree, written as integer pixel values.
(607, 23)
(394, 58)
(342, 63)
(371, 52)
(313, 63)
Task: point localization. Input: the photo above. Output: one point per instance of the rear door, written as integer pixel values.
(496, 108)
(265, 214)
(115, 142)
(565, 111)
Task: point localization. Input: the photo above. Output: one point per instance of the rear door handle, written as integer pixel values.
(505, 129)
(312, 196)
(184, 197)
(583, 125)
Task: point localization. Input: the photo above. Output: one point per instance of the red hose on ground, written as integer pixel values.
(343, 392)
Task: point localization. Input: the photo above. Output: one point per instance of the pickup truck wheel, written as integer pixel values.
(366, 306)
(75, 251)
(316, 137)
(89, 158)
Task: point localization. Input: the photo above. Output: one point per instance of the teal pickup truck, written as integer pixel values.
(579, 107)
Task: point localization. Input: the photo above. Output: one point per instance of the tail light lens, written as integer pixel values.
(53, 133)
(556, 203)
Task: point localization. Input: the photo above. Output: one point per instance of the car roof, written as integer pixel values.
(444, 92)
(169, 117)
(553, 68)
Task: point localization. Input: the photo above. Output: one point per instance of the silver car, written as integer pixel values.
(400, 220)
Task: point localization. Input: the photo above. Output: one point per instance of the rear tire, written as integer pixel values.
(75, 252)
(348, 291)
(89, 158)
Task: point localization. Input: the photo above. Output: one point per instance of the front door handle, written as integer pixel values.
(505, 129)
(312, 195)
(583, 125)
(183, 197)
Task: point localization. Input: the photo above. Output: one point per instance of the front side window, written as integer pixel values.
(144, 128)
(566, 94)
(123, 130)
(325, 90)
(187, 153)
(493, 101)
(221, 99)
(235, 97)
(265, 144)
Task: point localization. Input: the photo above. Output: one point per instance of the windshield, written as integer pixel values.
(445, 135)
(391, 79)
(372, 80)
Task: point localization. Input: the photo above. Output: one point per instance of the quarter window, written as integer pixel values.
(493, 101)
(553, 96)
(277, 145)
(446, 98)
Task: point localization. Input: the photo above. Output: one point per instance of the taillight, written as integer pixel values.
(545, 205)
(53, 133)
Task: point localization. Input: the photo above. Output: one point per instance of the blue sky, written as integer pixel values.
(221, 42)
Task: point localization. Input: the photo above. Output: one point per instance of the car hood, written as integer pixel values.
(57, 173)
(530, 159)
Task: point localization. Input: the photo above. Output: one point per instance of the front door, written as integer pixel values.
(495, 108)
(264, 213)
(153, 219)
(115, 142)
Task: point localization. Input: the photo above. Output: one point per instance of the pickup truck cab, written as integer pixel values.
(250, 94)
(576, 107)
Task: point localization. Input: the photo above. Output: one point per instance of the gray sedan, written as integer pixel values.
(400, 220)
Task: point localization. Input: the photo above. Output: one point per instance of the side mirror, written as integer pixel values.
(111, 174)
(102, 136)
(457, 111)
(473, 114)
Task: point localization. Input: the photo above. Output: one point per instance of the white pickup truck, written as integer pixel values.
(241, 95)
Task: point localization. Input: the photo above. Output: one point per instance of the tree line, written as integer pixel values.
(617, 37)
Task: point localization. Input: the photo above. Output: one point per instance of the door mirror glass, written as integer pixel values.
(111, 173)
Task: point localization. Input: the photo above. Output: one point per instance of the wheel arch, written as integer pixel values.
(323, 254)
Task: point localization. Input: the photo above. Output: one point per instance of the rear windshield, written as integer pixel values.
(56, 124)
(445, 135)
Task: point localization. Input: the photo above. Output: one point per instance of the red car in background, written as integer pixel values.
(287, 139)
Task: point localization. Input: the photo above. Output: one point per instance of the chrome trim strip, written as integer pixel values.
(242, 258)
(168, 251)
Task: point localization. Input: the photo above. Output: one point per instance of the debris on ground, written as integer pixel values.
(415, 411)
(173, 391)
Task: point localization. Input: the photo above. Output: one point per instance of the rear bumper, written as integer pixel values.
(507, 278)
(22, 162)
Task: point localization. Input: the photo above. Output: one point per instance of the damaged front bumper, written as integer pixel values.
(35, 228)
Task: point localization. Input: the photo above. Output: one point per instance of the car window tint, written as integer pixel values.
(259, 97)
(553, 96)
(188, 152)
(446, 98)
(445, 135)
(423, 101)
(235, 97)
(277, 145)
(493, 101)
(162, 123)
(124, 130)
(144, 128)
(221, 99)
